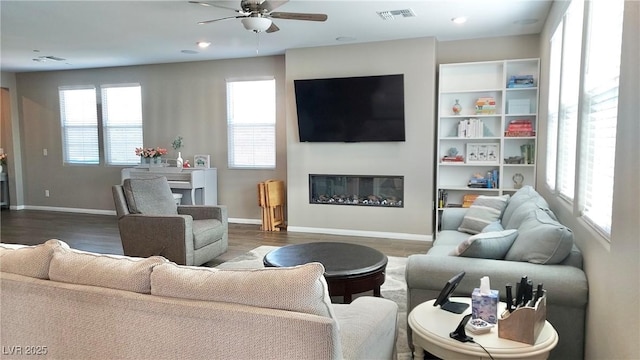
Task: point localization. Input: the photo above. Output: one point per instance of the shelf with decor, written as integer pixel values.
(486, 130)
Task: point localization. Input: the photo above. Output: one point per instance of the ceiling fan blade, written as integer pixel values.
(272, 28)
(271, 5)
(298, 16)
(209, 3)
(224, 18)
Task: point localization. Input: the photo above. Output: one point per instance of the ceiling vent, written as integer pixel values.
(396, 14)
(48, 58)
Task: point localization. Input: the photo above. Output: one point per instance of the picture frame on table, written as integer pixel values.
(478, 153)
(202, 161)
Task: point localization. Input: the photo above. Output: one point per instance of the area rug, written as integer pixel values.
(394, 288)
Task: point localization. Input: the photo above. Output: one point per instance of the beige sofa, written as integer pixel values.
(68, 304)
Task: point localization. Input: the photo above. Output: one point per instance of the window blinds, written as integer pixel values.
(251, 124)
(79, 125)
(600, 111)
(569, 95)
(122, 123)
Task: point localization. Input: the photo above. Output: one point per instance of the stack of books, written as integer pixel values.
(468, 199)
(470, 128)
(519, 128)
(485, 106)
(528, 153)
(457, 158)
(442, 198)
(520, 81)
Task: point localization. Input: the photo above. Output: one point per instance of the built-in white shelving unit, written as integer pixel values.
(489, 142)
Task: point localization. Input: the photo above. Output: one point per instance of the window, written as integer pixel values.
(79, 125)
(584, 90)
(122, 123)
(569, 95)
(554, 99)
(251, 124)
(121, 120)
(600, 111)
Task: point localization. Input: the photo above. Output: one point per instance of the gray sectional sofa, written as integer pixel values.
(62, 303)
(506, 238)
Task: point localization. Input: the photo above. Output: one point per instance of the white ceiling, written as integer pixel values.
(89, 34)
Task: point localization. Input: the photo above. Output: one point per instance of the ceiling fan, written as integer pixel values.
(256, 15)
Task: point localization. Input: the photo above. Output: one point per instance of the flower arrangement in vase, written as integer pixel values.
(151, 155)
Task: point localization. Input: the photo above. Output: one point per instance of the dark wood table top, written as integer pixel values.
(339, 259)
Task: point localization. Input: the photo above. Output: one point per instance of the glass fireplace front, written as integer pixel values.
(361, 190)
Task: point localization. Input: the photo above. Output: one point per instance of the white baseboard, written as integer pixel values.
(302, 229)
(71, 210)
(245, 221)
(376, 234)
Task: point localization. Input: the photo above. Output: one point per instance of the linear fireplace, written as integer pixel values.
(360, 190)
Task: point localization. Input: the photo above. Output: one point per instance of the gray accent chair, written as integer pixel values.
(151, 223)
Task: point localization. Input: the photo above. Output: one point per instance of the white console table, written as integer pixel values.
(4, 189)
(197, 186)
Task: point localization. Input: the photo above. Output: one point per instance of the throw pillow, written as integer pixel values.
(31, 261)
(494, 226)
(541, 240)
(149, 196)
(300, 288)
(526, 195)
(487, 245)
(483, 211)
(110, 271)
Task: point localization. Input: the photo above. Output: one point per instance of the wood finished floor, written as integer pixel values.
(99, 233)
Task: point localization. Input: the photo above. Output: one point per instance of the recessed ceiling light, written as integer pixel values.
(459, 19)
(203, 44)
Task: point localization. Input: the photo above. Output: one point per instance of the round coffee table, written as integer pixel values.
(349, 268)
(431, 327)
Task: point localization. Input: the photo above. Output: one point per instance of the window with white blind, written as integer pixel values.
(251, 124)
(120, 119)
(122, 123)
(79, 121)
(569, 95)
(600, 111)
(553, 106)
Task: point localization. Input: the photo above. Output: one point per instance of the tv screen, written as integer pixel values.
(352, 109)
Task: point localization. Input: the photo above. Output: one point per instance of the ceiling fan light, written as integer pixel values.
(257, 24)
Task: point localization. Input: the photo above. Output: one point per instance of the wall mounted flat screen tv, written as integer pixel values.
(351, 109)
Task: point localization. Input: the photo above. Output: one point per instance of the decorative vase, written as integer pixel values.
(517, 180)
(179, 160)
(456, 108)
(151, 161)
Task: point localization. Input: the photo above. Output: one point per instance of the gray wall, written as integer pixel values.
(187, 99)
(412, 159)
(612, 268)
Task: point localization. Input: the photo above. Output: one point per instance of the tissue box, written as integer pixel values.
(485, 307)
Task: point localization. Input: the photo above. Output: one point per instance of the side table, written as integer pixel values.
(431, 327)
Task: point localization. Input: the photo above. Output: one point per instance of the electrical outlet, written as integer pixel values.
(45, 152)
(46, 193)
